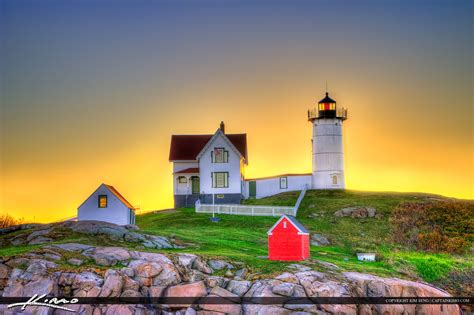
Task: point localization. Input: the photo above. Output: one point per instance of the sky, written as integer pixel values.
(91, 92)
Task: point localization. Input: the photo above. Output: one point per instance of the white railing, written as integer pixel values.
(250, 209)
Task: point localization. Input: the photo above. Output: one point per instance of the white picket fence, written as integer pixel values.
(250, 209)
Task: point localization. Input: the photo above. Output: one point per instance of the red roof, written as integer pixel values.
(187, 147)
(192, 170)
(119, 196)
(276, 176)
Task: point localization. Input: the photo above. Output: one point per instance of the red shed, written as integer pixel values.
(288, 240)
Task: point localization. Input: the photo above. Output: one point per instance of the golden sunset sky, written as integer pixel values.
(91, 93)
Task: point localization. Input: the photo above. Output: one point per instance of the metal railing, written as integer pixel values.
(341, 113)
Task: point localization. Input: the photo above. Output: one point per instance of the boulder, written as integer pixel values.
(169, 275)
(242, 273)
(219, 264)
(186, 260)
(70, 247)
(202, 266)
(265, 309)
(37, 233)
(196, 289)
(228, 308)
(238, 287)
(373, 286)
(75, 261)
(356, 212)
(319, 240)
(108, 256)
(145, 269)
(134, 237)
(40, 240)
(113, 284)
(87, 280)
(41, 286)
(159, 258)
(288, 277)
(285, 289)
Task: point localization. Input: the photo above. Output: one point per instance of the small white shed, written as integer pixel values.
(107, 204)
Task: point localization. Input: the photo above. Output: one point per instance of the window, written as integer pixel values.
(220, 196)
(220, 179)
(182, 180)
(327, 106)
(220, 155)
(283, 182)
(334, 179)
(102, 201)
(284, 224)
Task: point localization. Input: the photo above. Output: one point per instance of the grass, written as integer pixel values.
(244, 239)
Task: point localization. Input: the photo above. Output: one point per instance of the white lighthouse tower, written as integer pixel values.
(328, 150)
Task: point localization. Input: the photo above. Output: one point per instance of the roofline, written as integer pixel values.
(189, 161)
(276, 176)
(214, 136)
(107, 186)
(279, 220)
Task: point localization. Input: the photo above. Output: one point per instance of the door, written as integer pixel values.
(252, 189)
(195, 185)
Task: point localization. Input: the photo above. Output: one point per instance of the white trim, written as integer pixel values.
(214, 137)
(278, 222)
(184, 161)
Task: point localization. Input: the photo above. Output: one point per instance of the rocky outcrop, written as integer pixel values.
(132, 273)
(34, 234)
(319, 240)
(356, 212)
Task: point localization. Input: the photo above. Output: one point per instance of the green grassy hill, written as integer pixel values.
(244, 238)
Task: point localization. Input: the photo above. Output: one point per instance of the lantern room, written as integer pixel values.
(327, 107)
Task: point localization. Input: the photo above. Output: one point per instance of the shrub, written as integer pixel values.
(7, 220)
(445, 226)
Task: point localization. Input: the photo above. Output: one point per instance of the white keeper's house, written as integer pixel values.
(211, 167)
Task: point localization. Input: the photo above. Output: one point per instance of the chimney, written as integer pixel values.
(222, 126)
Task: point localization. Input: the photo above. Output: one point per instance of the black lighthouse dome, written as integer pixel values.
(327, 107)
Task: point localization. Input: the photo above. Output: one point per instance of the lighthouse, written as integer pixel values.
(328, 149)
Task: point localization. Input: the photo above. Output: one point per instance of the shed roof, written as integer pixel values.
(115, 192)
(191, 170)
(293, 221)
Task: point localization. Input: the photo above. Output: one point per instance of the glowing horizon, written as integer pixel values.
(92, 92)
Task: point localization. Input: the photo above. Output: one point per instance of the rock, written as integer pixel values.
(288, 277)
(156, 291)
(218, 291)
(52, 256)
(75, 261)
(373, 286)
(229, 273)
(134, 237)
(356, 212)
(131, 227)
(186, 260)
(242, 273)
(37, 233)
(40, 240)
(202, 266)
(327, 264)
(113, 284)
(219, 264)
(41, 286)
(222, 308)
(128, 271)
(168, 276)
(159, 258)
(196, 289)
(87, 280)
(285, 289)
(262, 288)
(130, 284)
(145, 269)
(264, 309)
(319, 240)
(238, 287)
(158, 241)
(70, 247)
(213, 281)
(131, 293)
(108, 256)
